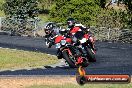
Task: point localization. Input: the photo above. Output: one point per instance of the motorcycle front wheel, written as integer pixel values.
(68, 60)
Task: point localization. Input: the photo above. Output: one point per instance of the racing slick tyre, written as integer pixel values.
(91, 55)
(68, 60)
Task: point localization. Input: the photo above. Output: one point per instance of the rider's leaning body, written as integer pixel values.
(74, 27)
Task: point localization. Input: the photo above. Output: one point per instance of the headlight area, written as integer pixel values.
(58, 45)
(63, 42)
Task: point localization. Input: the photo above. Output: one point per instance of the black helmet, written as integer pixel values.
(70, 22)
(49, 28)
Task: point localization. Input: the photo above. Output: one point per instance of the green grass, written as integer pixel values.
(14, 59)
(85, 86)
(2, 14)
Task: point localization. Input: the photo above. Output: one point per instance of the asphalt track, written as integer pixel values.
(112, 58)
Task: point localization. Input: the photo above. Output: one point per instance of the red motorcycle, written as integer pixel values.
(85, 42)
(69, 52)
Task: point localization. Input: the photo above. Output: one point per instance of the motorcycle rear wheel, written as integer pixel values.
(91, 55)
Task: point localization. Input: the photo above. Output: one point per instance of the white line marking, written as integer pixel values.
(123, 48)
(114, 47)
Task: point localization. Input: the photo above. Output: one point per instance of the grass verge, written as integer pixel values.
(85, 86)
(52, 82)
(14, 59)
(2, 14)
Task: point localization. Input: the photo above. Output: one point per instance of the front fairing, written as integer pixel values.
(74, 50)
(79, 35)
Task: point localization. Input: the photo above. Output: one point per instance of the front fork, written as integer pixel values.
(79, 59)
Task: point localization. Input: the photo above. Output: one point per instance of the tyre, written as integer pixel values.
(91, 55)
(68, 60)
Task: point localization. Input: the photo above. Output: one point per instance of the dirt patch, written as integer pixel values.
(22, 82)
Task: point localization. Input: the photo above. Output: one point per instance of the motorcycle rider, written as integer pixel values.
(72, 24)
(74, 28)
(51, 31)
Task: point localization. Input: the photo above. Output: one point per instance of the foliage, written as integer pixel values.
(102, 3)
(45, 4)
(83, 10)
(90, 13)
(111, 18)
(127, 19)
(128, 3)
(0, 6)
(20, 8)
(19, 11)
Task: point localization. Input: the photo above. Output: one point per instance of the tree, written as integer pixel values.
(18, 11)
(83, 10)
(20, 8)
(45, 4)
(129, 4)
(102, 3)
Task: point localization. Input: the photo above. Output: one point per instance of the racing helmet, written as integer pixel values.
(49, 28)
(70, 22)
